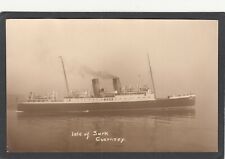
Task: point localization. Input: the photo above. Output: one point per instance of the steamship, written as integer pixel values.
(100, 100)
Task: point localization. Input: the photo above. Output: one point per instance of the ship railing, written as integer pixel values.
(110, 99)
(182, 95)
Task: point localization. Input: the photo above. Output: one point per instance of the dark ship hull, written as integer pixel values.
(109, 106)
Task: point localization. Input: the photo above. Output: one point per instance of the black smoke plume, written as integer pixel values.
(98, 74)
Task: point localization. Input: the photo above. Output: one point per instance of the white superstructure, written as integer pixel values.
(182, 96)
(117, 98)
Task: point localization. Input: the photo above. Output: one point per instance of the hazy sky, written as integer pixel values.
(183, 54)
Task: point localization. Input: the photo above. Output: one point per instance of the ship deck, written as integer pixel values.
(124, 105)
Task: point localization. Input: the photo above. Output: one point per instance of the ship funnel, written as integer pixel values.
(117, 84)
(96, 87)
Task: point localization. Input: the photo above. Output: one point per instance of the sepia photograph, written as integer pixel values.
(112, 85)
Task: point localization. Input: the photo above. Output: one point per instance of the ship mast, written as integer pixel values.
(64, 71)
(151, 75)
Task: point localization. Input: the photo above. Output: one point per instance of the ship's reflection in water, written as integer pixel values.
(142, 130)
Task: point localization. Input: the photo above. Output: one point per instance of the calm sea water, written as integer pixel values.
(171, 130)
